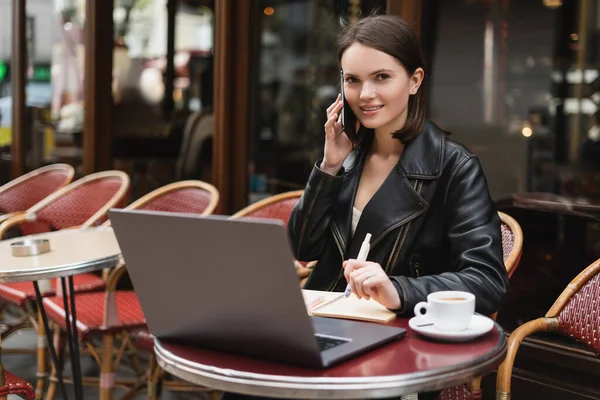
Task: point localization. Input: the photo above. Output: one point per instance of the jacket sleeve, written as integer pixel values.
(309, 222)
(473, 231)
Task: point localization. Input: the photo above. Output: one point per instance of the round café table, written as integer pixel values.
(72, 251)
(409, 365)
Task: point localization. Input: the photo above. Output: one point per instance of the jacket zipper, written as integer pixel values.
(414, 266)
(415, 271)
(418, 185)
(337, 236)
(396, 249)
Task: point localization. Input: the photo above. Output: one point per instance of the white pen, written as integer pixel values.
(362, 256)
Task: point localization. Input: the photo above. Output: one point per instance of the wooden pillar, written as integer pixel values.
(99, 44)
(168, 102)
(18, 82)
(410, 10)
(231, 102)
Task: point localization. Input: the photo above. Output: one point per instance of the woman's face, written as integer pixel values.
(377, 87)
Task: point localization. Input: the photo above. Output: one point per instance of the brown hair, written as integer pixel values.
(393, 36)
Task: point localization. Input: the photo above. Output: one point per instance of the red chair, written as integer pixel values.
(85, 203)
(574, 314)
(13, 385)
(113, 314)
(512, 246)
(279, 207)
(22, 193)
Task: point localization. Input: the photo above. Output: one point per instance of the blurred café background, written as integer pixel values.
(234, 93)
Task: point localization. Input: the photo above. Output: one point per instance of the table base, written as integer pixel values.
(72, 336)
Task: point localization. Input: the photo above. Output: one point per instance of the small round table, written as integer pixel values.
(72, 251)
(409, 365)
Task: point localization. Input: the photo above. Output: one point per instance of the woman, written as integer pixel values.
(423, 197)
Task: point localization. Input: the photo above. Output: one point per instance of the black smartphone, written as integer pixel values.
(348, 119)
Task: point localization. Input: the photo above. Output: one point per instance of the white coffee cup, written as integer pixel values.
(448, 311)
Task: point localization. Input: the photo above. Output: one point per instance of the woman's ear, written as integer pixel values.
(416, 79)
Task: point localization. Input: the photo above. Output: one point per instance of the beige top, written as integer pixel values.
(72, 251)
(355, 218)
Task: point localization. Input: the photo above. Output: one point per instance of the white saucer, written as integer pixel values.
(479, 325)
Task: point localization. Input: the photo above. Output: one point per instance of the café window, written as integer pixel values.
(298, 78)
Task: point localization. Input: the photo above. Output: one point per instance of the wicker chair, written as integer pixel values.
(113, 314)
(22, 193)
(574, 314)
(84, 203)
(279, 207)
(512, 246)
(13, 385)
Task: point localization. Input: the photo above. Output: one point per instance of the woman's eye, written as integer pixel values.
(351, 79)
(383, 77)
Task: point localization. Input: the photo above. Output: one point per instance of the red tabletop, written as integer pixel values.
(409, 365)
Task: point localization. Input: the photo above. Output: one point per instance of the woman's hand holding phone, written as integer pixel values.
(337, 144)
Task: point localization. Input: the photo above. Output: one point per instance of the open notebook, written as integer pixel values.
(335, 305)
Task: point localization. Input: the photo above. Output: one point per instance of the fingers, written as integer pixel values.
(358, 279)
(363, 277)
(371, 283)
(350, 265)
(338, 106)
(335, 108)
(335, 103)
(333, 126)
(330, 127)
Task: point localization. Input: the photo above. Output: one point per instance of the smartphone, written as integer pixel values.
(347, 117)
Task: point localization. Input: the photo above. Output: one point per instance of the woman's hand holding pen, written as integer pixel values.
(368, 280)
(337, 144)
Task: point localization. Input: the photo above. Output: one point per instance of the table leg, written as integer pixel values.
(75, 358)
(53, 354)
(71, 331)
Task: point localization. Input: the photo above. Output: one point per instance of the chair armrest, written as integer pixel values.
(115, 275)
(14, 220)
(110, 316)
(4, 217)
(514, 341)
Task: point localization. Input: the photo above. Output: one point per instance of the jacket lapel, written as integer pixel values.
(394, 204)
(422, 163)
(341, 226)
(398, 202)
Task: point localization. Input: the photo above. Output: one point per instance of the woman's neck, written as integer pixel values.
(385, 145)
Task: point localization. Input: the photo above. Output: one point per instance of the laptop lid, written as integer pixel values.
(217, 283)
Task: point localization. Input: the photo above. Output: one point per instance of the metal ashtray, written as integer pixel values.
(30, 247)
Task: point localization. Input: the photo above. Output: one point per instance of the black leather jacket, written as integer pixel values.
(434, 225)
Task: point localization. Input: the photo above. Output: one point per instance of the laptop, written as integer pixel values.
(230, 285)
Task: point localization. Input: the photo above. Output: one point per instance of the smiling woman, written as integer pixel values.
(383, 62)
(422, 197)
(379, 98)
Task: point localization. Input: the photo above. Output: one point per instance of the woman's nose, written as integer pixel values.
(367, 92)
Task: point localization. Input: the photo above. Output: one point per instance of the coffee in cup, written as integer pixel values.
(448, 310)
